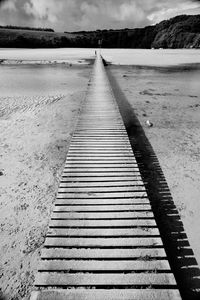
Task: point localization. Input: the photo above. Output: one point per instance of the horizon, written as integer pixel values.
(88, 15)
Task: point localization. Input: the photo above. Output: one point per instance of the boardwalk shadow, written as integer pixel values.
(179, 252)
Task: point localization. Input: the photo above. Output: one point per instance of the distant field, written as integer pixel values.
(34, 38)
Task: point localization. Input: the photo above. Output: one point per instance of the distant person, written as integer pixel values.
(95, 52)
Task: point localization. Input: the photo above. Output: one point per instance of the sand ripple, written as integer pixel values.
(9, 105)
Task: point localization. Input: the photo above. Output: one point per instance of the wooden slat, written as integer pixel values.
(62, 279)
(103, 242)
(101, 189)
(102, 223)
(100, 179)
(103, 195)
(101, 165)
(59, 253)
(59, 213)
(77, 184)
(101, 176)
(104, 232)
(101, 159)
(108, 294)
(106, 208)
(113, 265)
(102, 201)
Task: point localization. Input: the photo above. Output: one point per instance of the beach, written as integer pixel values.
(35, 134)
(39, 107)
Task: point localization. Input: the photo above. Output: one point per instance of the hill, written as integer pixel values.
(179, 32)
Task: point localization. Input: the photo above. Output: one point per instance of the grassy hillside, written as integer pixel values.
(179, 32)
(34, 39)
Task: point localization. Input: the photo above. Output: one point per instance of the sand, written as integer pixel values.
(35, 135)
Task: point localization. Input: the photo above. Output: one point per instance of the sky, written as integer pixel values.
(75, 15)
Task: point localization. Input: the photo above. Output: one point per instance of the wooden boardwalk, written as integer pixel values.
(103, 242)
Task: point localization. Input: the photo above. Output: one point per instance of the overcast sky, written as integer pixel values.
(71, 15)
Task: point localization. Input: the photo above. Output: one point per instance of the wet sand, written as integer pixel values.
(35, 135)
(170, 99)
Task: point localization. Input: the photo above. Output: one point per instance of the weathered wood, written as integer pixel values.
(107, 195)
(140, 231)
(60, 213)
(103, 223)
(113, 265)
(107, 189)
(106, 208)
(77, 184)
(97, 253)
(100, 179)
(127, 201)
(102, 242)
(145, 279)
(108, 294)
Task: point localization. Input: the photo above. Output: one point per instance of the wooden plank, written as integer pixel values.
(100, 140)
(99, 146)
(113, 265)
(100, 179)
(124, 183)
(103, 169)
(101, 189)
(106, 208)
(89, 175)
(102, 242)
(102, 223)
(60, 213)
(97, 253)
(101, 135)
(63, 279)
(101, 130)
(101, 165)
(98, 151)
(99, 155)
(106, 142)
(101, 159)
(112, 294)
(103, 195)
(140, 231)
(102, 201)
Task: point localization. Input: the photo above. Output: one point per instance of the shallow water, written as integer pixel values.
(147, 57)
(160, 65)
(18, 80)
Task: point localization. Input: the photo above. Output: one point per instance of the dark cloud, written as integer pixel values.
(2, 1)
(93, 14)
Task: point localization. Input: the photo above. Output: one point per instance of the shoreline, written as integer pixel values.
(43, 62)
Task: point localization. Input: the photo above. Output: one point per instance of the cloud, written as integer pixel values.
(2, 1)
(7, 5)
(168, 10)
(43, 10)
(71, 15)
